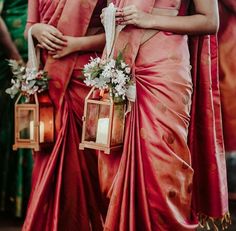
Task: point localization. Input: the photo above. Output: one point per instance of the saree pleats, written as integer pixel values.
(153, 185)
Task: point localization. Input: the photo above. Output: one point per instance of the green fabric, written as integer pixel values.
(15, 167)
(14, 14)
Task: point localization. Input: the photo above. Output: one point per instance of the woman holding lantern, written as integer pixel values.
(65, 193)
(172, 166)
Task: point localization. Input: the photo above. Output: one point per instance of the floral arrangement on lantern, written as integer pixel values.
(26, 81)
(109, 74)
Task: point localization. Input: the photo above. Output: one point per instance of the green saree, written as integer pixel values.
(15, 167)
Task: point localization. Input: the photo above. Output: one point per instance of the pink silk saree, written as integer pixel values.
(227, 53)
(65, 191)
(172, 167)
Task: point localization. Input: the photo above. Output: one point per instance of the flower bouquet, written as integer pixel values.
(26, 81)
(111, 74)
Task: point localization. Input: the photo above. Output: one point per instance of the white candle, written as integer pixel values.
(31, 130)
(41, 131)
(102, 131)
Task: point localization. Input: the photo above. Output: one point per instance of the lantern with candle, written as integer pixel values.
(103, 122)
(104, 114)
(34, 116)
(34, 127)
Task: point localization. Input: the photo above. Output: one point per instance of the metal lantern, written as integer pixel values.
(103, 122)
(34, 122)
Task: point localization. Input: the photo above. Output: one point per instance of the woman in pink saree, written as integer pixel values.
(172, 166)
(65, 192)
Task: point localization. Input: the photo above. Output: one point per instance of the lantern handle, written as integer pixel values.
(33, 54)
(18, 99)
(90, 93)
(111, 29)
(36, 98)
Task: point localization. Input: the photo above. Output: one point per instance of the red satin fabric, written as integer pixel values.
(65, 189)
(227, 54)
(205, 133)
(172, 165)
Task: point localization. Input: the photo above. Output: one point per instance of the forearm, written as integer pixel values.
(33, 15)
(91, 43)
(80, 44)
(7, 43)
(194, 24)
(204, 21)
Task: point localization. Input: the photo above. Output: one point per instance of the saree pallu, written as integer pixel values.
(227, 52)
(65, 189)
(154, 183)
(15, 167)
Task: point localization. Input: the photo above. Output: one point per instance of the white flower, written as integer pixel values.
(123, 65)
(112, 63)
(127, 70)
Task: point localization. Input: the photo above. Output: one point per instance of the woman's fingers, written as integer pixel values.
(56, 40)
(57, 34)
(126, 14)
(45, 46)
(56, 56)
(52, 52)
(52, 44)
(49, 37)
(129, 10)
(126, 19)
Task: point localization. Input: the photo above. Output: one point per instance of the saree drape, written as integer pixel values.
(65, 192)
(15, 167)
(172, 166)
(227, 52)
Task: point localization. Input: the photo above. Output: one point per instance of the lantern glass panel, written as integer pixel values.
(46, 125)
(26, 124)
(118, 124)
(97, 122)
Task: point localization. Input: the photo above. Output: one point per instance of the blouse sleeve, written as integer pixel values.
(33, 13)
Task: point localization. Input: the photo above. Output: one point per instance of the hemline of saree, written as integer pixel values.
(216, 224)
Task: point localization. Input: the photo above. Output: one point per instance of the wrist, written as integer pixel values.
(78, 44)
(153, 21)
(34, 29)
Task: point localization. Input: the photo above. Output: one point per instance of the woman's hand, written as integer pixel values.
(118, 12)
(73, 45)
(130, 15)
(49, 37)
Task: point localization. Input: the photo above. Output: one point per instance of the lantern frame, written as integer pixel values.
(108, 147)
(34, 106)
